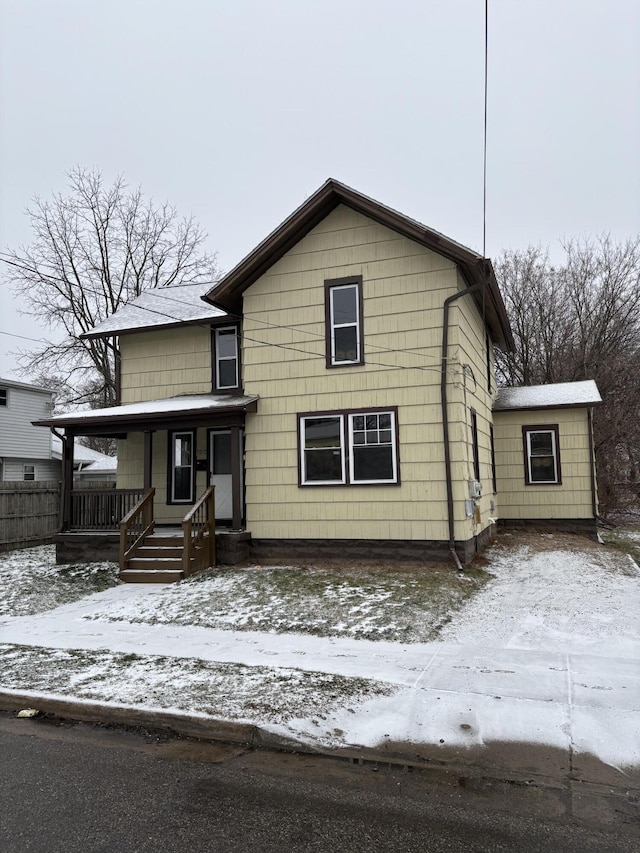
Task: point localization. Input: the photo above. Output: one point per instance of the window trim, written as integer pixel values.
(475, 449)
(329, 285)
(4, 398)
(346, 432)
(215, 373)
(24, 472)
(171, 434)
(526, 445)
(494, 476)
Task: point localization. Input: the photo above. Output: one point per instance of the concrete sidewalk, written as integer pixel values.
(508, 711)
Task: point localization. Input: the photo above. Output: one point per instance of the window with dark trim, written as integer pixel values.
(226, 366)
(3, 397)
(494, 479)
(28, 472)
(541, 455)
(474, 445)
(181, 467)
(348, 448)
(343, 321)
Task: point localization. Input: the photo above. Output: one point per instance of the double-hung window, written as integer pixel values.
(3, 397)
(348, 448)
(542, 455)
(227, 363)
(343, 320)
(28, 472)
(181, 467)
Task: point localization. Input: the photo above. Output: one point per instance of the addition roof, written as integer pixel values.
(158, 307)
(227, 293)
(555, 396)
(186, 411)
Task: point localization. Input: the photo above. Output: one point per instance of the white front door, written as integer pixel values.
(220, 474)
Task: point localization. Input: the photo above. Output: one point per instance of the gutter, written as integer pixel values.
(445, 418)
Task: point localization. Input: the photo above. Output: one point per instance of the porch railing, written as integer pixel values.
(137, 523)
(199, 528)
(101, 509)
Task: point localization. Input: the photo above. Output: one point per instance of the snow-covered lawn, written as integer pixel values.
(229, 691)
(31, 582)
(407, 605)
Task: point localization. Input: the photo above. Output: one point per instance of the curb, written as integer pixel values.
(462, 765)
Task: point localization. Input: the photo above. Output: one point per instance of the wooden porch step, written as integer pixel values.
(157, 540)
(151, 576)
(152, 550)
(159, 563)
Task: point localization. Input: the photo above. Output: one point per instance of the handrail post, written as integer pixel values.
(186, 550)
(211, 518)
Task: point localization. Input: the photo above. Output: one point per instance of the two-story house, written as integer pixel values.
(337, 388)
(25, 450)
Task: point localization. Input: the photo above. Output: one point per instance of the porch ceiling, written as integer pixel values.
(169, 413)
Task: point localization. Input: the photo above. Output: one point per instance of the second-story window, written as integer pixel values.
(343, 321)
(3, 396)
(226, 366)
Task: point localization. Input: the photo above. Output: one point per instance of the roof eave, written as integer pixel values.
(227, 294)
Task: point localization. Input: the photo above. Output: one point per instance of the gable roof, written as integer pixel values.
(167, 307)
(555, 396)
(227, 294)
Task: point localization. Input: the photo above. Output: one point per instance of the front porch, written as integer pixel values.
(101, 528)
(179, 504)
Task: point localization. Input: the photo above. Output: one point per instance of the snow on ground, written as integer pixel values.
(404, 605)
(546, 652)
(546, 596)
(31, 582)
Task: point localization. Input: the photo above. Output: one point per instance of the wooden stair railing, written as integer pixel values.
(137, 523)
(199, 529)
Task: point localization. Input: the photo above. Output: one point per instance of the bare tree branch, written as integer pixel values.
(93, 250)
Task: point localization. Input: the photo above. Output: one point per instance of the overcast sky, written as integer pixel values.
(237, 110)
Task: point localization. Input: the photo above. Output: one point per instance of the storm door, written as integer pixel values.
(221, 472)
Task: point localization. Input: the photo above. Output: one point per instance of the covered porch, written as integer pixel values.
(180, 468)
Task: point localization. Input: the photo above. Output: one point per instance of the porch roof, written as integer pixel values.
(187, 410)
(554, 396)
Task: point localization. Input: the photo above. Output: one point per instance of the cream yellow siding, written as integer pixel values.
(404, 288)
(569, 500)
(131, 474)
(165, 363)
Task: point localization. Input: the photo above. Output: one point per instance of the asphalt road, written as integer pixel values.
(87, 788)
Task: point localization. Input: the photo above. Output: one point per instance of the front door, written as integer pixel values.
(220, 474)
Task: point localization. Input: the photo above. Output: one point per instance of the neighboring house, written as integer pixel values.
(88, 464)
(25, 450)
(337, 387)
(29, 452)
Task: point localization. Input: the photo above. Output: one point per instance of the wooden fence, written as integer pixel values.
(29, 512)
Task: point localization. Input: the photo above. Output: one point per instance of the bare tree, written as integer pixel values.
(94, 250)
(581, 320)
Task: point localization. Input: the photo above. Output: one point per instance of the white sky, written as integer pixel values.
(237, 111)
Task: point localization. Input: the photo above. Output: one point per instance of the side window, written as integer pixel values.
(226, 360)
(343, 321)
(474, 445)
(28, 472)
(3, 397)
(488, 354)
(542, 455)
(494, 479)
(181, 467)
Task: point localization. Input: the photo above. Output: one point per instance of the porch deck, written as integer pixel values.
(119, 525)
